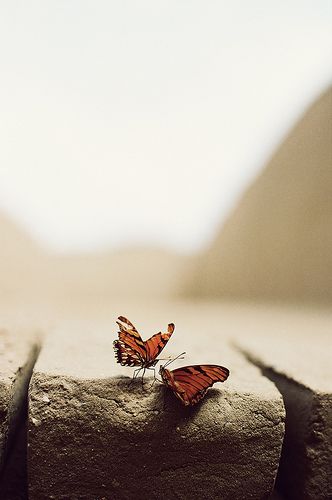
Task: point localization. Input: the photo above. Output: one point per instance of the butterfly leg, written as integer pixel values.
(154, 377)
(143, 376)
(136, 372)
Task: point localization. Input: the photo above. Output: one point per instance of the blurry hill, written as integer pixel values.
(22, 261)
(28, 271)
(277, 243)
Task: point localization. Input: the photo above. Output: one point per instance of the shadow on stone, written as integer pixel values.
(13, 480)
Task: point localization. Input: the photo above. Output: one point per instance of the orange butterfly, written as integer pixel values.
(131, 350)
(190, 383)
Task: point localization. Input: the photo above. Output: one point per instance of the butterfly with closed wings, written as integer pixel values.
(131, 350)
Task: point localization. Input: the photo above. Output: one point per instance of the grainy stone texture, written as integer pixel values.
(18, 351)
(92, 435)
(300, 365)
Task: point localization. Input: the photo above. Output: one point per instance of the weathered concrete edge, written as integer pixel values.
(305, 463)
(44, 401)
(16, 413)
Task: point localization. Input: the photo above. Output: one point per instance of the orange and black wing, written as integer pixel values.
(125, 355)
(190, 383)
(130, 345)
(157, 342)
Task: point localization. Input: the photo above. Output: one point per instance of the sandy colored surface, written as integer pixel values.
(298, 361)
(300, 352)
(90, 431)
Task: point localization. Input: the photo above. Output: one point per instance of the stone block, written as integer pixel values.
(297, 359)
(94, 435)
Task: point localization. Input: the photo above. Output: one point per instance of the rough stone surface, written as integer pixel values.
(93, 435)
(18, 351)
(298, 360)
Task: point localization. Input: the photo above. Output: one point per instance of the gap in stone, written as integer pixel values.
(298, 402)
(14, 475)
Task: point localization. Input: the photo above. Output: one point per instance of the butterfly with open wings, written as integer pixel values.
(190, 383)
(131, 350)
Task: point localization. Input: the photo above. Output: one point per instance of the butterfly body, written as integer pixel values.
(131, 350)
(190, 383)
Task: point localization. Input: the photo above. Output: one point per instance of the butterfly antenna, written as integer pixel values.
(180, 356)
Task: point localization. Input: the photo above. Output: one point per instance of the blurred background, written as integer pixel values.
(166, 149)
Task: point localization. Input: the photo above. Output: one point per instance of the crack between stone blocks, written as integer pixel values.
(16, 421)
(303, 431)
(267, 370)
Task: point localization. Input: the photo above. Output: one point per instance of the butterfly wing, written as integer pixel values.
(157, 342)
(130, 347)
(190, 383)
(125, 355)
(131, 350)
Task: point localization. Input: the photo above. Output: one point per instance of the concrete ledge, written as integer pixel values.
(18, 352)
(92, 435)
(299, 364)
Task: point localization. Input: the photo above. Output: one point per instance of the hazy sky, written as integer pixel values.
(141, 121)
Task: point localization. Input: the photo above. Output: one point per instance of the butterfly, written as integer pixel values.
(131, 350)
(190, 383)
